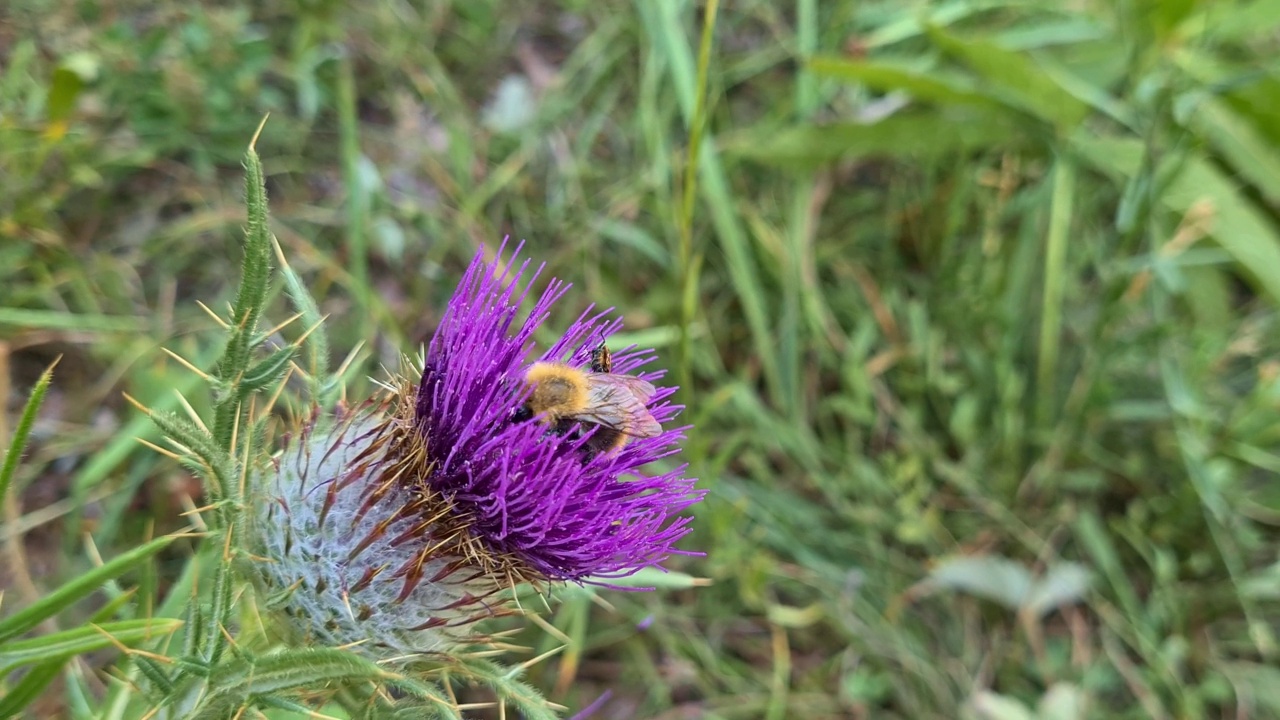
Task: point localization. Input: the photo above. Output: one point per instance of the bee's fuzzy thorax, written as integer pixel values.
(555, 389)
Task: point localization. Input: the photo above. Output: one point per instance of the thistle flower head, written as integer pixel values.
(400, 523)
(531, 495)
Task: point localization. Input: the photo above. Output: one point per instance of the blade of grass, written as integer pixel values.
(79, 588)
(1015, 79)
(121, 446)
(22, 318)
(20, 434)
(63, 645)
(1060, 213)
(806, 90)
(1241, 145)
(663, 23)
(918, 135)
(29, 688)
(357, 195)
(1193, 447)
(691, 263)
(913, 21)
(1098, 543)
(799, 231)
(926, 84)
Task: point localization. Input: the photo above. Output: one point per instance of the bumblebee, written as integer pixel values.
(609, 405)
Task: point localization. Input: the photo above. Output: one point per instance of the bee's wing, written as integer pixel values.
(618, 402)
(642, 389)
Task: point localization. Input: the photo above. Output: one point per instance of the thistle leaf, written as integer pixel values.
(267, 371)
(215, 464)
(317, 343)
(156, 673)
(236, 684)
(251, 300)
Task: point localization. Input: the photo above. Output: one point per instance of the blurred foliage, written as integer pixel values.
(975, 316)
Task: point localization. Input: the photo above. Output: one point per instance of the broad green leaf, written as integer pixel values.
(1240, 21)
(1061, 584)
(912, 22)
(1244, 148)
(1263, 584)
(930, 85)
(1163, 16)
(67, 595)
(999, 579)
(1063, 701)
(1061, 214)
(1209, 294)
(651, 577)
(1011, 584)
(993, 706)
(1016, 79)
(1262, 682)
(1094, 95)
(64, 89)
(1236, 224)
(1041, 32)
(1259, 101)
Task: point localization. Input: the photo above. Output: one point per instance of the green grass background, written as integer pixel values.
(973, 305)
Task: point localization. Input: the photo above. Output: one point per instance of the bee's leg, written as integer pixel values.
(565, 428)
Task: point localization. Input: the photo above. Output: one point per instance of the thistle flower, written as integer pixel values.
(399, 524)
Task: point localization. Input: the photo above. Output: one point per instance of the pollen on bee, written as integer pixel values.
(557, 390)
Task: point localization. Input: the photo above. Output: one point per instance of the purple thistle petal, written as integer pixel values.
(530, 493)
